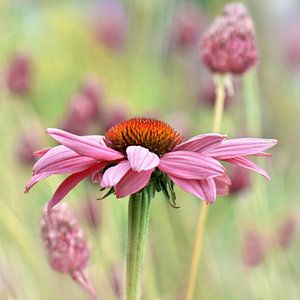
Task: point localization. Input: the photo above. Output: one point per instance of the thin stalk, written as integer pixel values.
(202, 218)
(138, 219)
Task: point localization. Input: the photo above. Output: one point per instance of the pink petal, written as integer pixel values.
(85, 146)
(201, 143)
(222, 184)
(69, 183)
(62, 160)
(190, 165)
(114, 174)
(35, 179)
(141, 159)
(204, 189)
(247, 164)
(132, 183)
(42, 152)
(241, 147)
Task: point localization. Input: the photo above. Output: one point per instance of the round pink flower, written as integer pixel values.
(228, 46)
(19, 74)
(64, 241)
(140, 153)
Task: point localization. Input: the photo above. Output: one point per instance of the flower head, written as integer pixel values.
(228, 46)
(254, 248)
(19, 74)
(187, 26)
(64, 241)
(140, 153)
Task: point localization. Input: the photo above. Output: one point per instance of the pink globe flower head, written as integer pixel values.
(27, 144)
(79, 115)
(64, 241)
(291, 44)
(240, 180)
(287, 232)
(254, 248)
(19, 74)
(187, 26)
(93, 92)
(147, 153)
(66, 246)
(228, 46)
(110, 25)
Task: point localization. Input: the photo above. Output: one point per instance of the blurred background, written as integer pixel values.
(86, 65)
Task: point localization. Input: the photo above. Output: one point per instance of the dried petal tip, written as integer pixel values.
(67, 249)
(228, 46)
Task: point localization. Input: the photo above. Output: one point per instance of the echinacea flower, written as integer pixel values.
(144, 152)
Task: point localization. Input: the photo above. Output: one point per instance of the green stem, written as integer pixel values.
(138, 219)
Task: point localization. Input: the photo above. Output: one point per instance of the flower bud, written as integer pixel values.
(287, 232)
(67, 249)
(19, 74)
(110, 25)
(253, 248)
(187, 26)
(228, 46)
(240, 180)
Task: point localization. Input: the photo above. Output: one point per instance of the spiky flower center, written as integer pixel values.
(155, 135)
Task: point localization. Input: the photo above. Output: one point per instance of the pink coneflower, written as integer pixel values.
(67, 249)
(144, 152)
(228, 46)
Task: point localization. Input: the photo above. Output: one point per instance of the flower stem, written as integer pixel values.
(198, 243)
(138, 219)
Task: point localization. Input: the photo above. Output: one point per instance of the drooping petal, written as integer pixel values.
(62, 160)
(85, 146)
(204, 189)
(69, 183)
(222, 184)
(114, 174)
(241, 147)
(141, 159)
(201, 143)
(35, 179)
(248, 164)
(132, 182)
(190, 165)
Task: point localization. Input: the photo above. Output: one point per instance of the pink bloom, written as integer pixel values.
(67, 249)
(240, 180)
(19, 74)
(140, 151)
(254, 248)
(228, 46)
(83, 108)
(187, 25)
(110, 25)
(287, 232)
